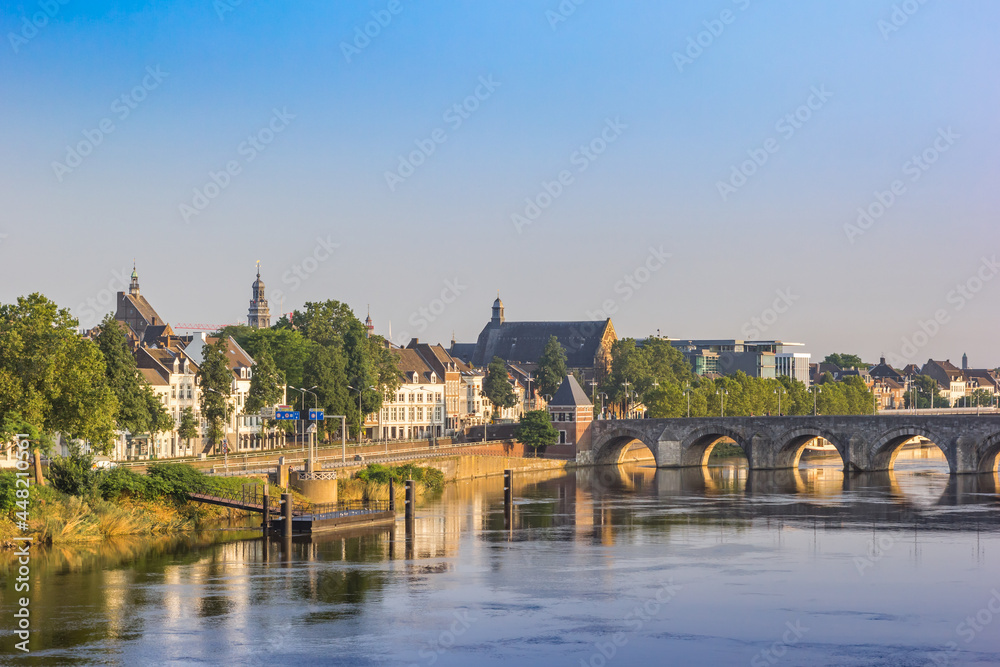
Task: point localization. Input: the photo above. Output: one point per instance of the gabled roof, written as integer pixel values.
(153, 377)
(409, 362)
(570, 394)
(525, 341)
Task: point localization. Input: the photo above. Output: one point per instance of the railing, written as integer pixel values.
(318, 475)
(249, 495)
(346, 507)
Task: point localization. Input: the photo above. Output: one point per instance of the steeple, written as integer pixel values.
(259, 316)
(498, 317)
(133, 287)
(369, 327)
(965, 362)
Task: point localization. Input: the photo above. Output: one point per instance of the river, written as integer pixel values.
(601, 566)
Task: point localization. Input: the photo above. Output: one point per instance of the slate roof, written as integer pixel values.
(570, 393)
(409, 362)
(884, 370)
(463, 351)
(525, 341)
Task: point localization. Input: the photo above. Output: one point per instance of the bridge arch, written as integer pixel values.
(988, 455)
(886, 447)
(791, 444)
(698, 444)
(611, 445)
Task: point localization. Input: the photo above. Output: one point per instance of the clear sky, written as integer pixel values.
(626, 124)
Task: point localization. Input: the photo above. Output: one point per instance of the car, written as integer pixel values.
(104, 463)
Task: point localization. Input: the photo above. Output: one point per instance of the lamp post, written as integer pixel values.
(625, 385)
(225, 448)
(722, 393)
(779, 392)
(687, 390)
(816, 389)
(312, 452)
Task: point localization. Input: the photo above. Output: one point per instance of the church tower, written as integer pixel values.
(259, 316)
(369, 326)
(133, 287)
(498, 317)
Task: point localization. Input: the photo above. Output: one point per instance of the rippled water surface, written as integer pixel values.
(629, 566)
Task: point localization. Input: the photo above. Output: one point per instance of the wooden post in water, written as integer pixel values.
(286, 499)
(266, 523)
(409, 506)
(508, 498)
(392, 497)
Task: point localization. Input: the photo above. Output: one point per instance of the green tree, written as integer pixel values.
(551, 367)
(266, 383)
(325, 369)
(216, 380)
(535, 430)
(52, 380)
(287, 346)
(139, 409)
(844, 360)
(497, 387)
(188, 427)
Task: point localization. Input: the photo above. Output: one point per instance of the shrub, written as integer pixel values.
(74, 475)
(8, 488)
(175, 479)
(432, 478)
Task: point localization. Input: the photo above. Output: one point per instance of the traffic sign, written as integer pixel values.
(267, 412)
(316, 415)
(286, 414)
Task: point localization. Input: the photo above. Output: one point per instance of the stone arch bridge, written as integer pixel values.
(971, 443)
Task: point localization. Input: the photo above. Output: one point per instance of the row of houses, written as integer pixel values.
(891, 386)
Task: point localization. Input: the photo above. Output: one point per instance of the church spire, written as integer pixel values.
(133, 287)
(259, 316)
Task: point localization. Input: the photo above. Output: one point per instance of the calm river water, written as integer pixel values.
(615, 566)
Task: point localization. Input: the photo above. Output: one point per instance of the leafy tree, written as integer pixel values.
(844, 360)
(325, 369)
(980, 398)
(266, 383)
(287, 346)
(551, 367)
(139, 409)
(188, 427)
(535, 430)
(497, 387)
(926, 389)
(216, 380)
(52, 379)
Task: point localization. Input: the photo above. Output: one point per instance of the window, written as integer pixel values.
(437, 414)
(413, 397)
(562, 416)
(420, 414)
(411, 414)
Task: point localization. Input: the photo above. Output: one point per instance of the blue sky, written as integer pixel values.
(309, 129)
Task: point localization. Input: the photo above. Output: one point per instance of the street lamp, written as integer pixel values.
(687, 390)
(361, 417)
(722, 393)
(816, 389)
(779, 391)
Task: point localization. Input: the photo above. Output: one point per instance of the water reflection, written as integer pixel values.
(752, 549)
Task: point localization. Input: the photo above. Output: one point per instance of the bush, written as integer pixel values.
(432, 478)
(175, 479)
(8, 488)
(74, 475)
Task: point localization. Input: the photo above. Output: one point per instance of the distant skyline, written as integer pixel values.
(823, 174)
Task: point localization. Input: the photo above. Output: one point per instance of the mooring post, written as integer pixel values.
(266, 523)
(392, 496)
(409, 506)
(286, 499)
(508, 497)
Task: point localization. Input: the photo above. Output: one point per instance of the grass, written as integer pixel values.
(372, 482)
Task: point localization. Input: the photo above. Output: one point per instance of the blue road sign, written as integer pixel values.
(316, 415)
(286, 414)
